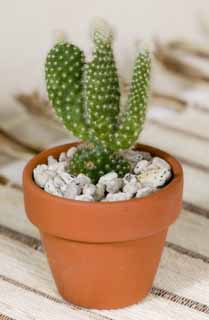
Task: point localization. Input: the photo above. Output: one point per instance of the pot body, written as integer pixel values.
(104, 275)
(103, 255)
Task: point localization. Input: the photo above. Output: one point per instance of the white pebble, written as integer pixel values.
(40, 168)
(41, 179)
(145, 155)
(131, 188)
(51, 161)
(41, 175)
(59, 183)
(71, 152)
(61, 167)
(108, 177)
(58, 166)
(62, 157)
(72, 190)
(150, 167)
(100, 191)
(114, 185)
(53, 167)
(144, 192)
(50, 188)
(160, 163)
(82, 179)
(141, 166)
(67, 177)
(129, 178)
(154, 178)
(132, 155)
(117, 196)
(89, 189)
(84, 197)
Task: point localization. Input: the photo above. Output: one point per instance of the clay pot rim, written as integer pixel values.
(38, 159)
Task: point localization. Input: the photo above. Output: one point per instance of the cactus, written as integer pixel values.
(86, 97)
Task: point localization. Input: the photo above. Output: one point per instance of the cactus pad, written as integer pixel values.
(64, 73)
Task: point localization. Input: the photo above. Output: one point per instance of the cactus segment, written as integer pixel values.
(132, 120)
(94, 161)
(64, 77)
(102, 86)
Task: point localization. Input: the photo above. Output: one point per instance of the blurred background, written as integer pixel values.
(177, 31)
(178, 121)
(29, 28)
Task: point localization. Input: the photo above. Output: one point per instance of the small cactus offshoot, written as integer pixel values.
(86, 96)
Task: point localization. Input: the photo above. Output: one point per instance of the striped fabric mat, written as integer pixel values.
(181, 287)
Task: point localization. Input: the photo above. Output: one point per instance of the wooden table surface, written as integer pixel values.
(181, 286)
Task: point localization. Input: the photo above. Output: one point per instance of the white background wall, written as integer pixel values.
(27, 28)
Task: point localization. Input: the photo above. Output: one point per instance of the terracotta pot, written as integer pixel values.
(103, 254)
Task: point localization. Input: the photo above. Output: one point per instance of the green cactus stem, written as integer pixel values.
(86, 96)
(94, 161)
(64, 76)
(102, 86)
(132, 121)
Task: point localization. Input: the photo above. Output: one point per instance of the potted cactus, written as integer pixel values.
(103, 251)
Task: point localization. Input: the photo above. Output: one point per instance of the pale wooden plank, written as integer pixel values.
(155, 308)
(183, 146)
(13, 171)
(12, 150)
(184, 276)
(196, 184)
(6, 158)
(29, 267)
(12, 212)
(12, 301)
(25, 305)
(190, 120)
(191, 232)
(23, 126)
(197, 95)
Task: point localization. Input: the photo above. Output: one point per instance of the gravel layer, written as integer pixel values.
(148, 175)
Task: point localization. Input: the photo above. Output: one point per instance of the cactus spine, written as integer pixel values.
(86, 96)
